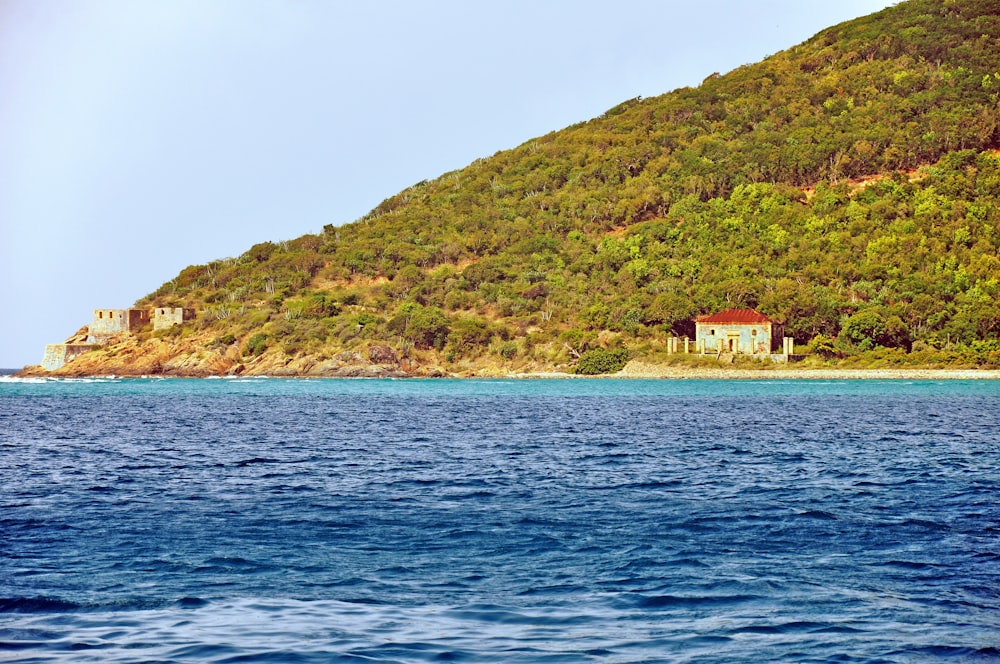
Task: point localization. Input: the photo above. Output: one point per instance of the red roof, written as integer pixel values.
(734, 316)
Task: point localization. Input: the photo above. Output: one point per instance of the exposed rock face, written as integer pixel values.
(127, 355)
(199, 353)
(80, 337)
(383, 355)
(349, 357)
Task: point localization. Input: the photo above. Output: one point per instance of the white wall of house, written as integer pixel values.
(739, 338)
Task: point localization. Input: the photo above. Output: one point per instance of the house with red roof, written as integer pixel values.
(737, 332)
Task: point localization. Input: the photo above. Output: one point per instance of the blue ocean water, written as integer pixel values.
(499, 521)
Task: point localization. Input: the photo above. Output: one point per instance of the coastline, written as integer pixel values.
(637, 369)
(634, 370)
(127, 355)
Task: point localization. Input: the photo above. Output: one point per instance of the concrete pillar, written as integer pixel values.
(788, 346)
(670, 345)
(687, 345)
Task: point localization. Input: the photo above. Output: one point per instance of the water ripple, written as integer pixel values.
(518, 521)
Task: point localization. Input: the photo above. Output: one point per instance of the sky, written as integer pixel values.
(138, 137)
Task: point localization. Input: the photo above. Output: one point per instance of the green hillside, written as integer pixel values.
(846, 187)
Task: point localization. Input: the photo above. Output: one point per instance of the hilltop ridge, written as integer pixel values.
(844, 187)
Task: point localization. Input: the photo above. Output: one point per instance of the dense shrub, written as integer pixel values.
(601, 361)
(823, 345)
(256, 345)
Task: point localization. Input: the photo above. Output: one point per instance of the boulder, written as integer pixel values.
(383, 355)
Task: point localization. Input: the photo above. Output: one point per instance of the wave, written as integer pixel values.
(960, 653)
(256, 460)
(54, 379)
(17, 379)
(274, 629)
(36, 605)
(684, 601)
(191, 602)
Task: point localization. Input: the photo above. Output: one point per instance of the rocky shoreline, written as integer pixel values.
(191, 352)
(635, 369)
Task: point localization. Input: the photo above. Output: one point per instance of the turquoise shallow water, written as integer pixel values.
(482, 521)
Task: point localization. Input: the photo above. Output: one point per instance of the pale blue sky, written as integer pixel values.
(139, 137)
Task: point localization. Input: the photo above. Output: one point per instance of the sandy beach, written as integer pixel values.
(637, 369)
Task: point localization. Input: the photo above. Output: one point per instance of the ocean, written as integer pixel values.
(291, 520)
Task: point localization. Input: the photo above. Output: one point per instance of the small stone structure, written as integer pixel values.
(164, 317)
(57, 355)
(109, 322)
(735, 332)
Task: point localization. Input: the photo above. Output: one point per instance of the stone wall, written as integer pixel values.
(109, 322)
(56, 355)
(164, 317)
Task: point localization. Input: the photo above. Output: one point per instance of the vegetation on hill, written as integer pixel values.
(845, 187)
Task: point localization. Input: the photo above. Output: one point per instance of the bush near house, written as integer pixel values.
(601, 361)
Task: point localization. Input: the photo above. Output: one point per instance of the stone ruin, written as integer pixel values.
(164, 317)
(107, 324)
(111, 322)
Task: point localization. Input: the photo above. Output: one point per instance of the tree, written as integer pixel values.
(868, 328)
(864, 329)
(896, 334)
(425, 327)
